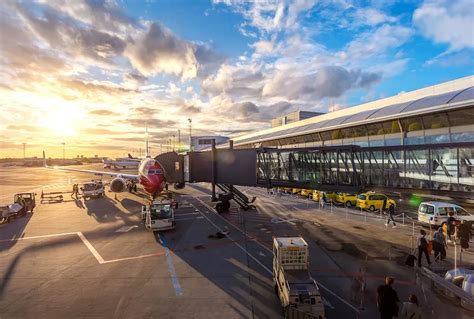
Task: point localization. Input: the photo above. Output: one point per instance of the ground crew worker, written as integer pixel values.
(422, 244)
(391, 211)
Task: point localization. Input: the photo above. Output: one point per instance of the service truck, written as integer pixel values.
(297, 290)
(159, 215)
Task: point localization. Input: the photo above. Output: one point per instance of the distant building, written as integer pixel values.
(199, 143)
(293, 117)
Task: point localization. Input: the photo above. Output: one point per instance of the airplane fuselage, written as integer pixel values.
(151, 176)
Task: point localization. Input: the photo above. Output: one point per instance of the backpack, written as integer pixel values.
(423, 243)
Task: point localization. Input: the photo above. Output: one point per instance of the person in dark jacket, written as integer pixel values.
(391, 211)
(451, 222)
(422, 245)
(387, 299)
(464, 234)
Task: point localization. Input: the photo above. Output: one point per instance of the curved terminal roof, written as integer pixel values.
(372, 113)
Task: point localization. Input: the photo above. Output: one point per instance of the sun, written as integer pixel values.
(60, 121)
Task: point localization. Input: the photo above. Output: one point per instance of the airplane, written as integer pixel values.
(121, 162)
(150, 175)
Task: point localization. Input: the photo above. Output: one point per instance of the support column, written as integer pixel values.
(214, 170)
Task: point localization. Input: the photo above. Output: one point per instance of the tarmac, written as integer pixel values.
(94, 258)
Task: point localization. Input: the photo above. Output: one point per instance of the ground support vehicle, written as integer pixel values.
(159, 214)
(295, 191)
(294, 285)
(92, 189)
(437, 213)
(22, 203)
(374, 201)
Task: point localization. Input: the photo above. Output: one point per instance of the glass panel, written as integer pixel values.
(360, 131)
(391, 127)
(437, 139)
(435, 121)
(377, 142)
(464, 96)
(413, 140)
(389, 110)
(336, 135)
(393, 141)
(463, 137)
(412, 124)
(375, 129)
(430, 101)
(462, 117)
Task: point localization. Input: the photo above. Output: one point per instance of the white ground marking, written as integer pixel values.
(261, 254)
(125, 229)
(192, 218)
(279, 220)
(267, 249)
(89, 246)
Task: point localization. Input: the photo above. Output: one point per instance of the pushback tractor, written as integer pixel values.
(297, 290)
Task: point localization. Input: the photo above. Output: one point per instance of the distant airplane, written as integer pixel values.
(122, 162)
(150, 175)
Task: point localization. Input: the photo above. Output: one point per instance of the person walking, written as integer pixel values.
(439, 245)
(422, 244)
(323, 200)
(391, 211)
(387, 299)
(411, 309)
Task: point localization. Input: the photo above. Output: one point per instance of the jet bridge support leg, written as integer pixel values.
(232, 193)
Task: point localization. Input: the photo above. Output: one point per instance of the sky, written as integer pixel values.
(94, 74)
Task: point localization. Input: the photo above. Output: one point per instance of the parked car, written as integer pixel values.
(348, 199)
(306, 192)
(374, 201)
(437, 213)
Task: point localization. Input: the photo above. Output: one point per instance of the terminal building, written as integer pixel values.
(421, 140)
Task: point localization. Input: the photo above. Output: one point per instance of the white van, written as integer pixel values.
(436, 213)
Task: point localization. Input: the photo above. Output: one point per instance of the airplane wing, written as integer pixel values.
(98, 173)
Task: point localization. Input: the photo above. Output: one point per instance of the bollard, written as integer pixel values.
(455, 258)
(365, 216)
(346, 212)
(331, 207)
(380, 213)
(403, 218)
(412, 235)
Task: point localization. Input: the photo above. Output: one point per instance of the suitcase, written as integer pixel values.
(410, 260)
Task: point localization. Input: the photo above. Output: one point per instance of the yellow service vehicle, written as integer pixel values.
(306, 192)
(374, 201)
(315, 195)
(348, 199)
(295, 190)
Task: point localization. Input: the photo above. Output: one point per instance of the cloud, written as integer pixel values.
(448, 22)
(104, 15)
(92, 90)
(377, 41)
(151, 123)
(65, 34)
(22, 127)
(160, 51)
(328, 82)
(101, 131)
(371, 17)
(102, 112)
(135, 78)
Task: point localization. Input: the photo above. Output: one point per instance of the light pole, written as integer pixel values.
(64, 151)
(24, 151)
(179, 140)
(173, 142)
(190, 136)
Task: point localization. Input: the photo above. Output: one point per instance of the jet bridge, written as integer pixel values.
(445, 169)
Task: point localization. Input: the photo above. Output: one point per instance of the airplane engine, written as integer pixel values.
(117, 185)
(179, 185)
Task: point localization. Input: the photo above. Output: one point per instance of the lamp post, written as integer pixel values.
(64, 151)
(179, 140)
(174, 142)
(190, 136)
